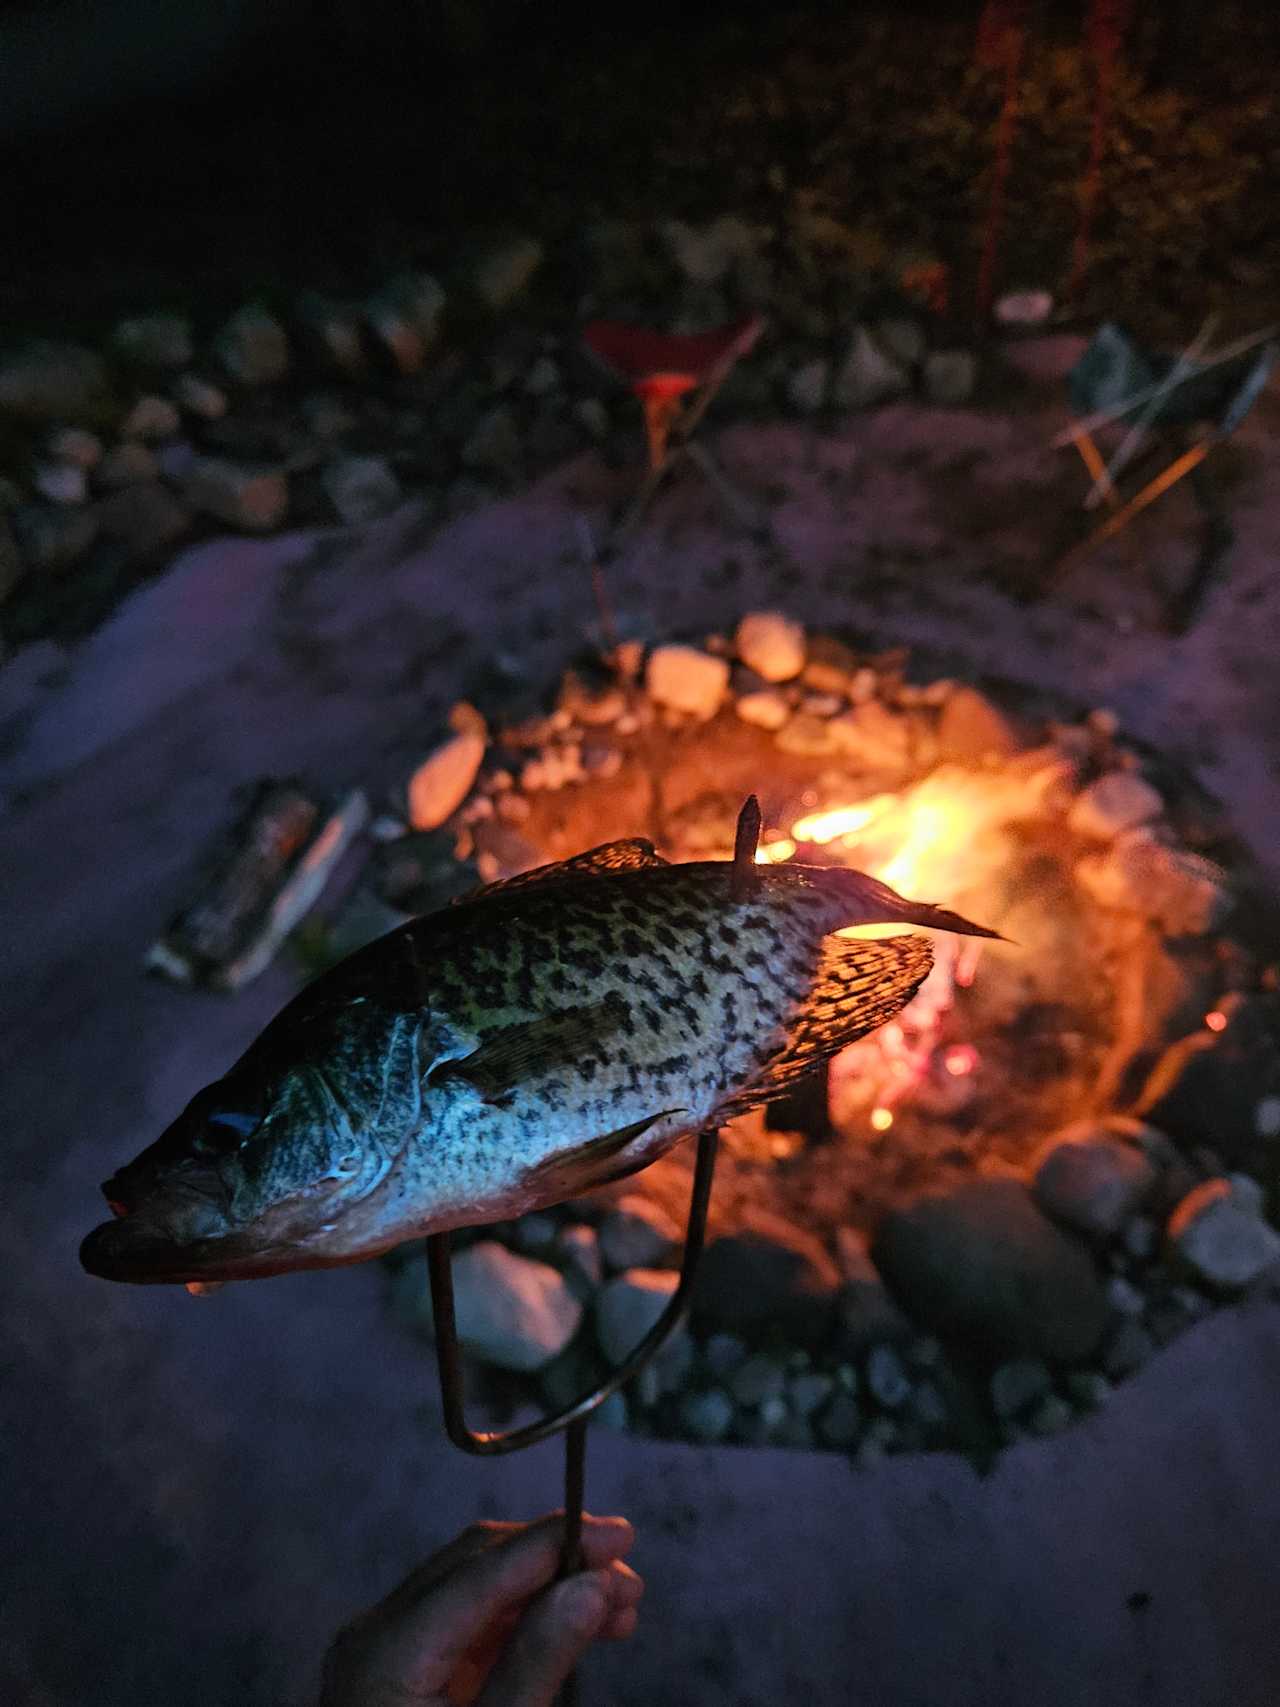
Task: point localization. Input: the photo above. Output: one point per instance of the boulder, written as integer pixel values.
(1221, 1238)
(687, 680)
(771, 644)
(637, 1233)
(247, 496)
(867, 375)
(253, 347)
(1094, 1174)
(154, 340)
(982, 1264)
(361, 488)
(1118, 801)
(511, 1311)
(767, 1277)
(44, 380)
(444, 778)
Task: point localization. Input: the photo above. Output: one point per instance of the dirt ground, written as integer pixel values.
(198, 1493)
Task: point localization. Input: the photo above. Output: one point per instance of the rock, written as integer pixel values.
(830, 665)
(1017, 1385)
(627, 1308)
(1088, 1389)
(495, 444)
(708, 254)
(840, 1424)
(535, 1233)
(334, 332)
(1182, 892)
(637, 1233)
(151, 418)
(125, 465)
(612, 1413)
(771, 644)
(868, 375)
(154, 340)
(981, 1263)
(1023, 308)
(361, 488)
(1116, 802)
(759, 1378)
(722, 1353)
(1140, 1238)
(903, 340)
(592, 416)
(1124, 1297)
(146, 518)
(808, 736)
(706, 1416)
(252, 498)
(808, 1392)
(872, 736)
(972, 728)
(253, 347)
(764, 709)
(61, 482)
(48, 381)
(76, 445)
(1094, 1174)
(200, 397)
(1210, 1087)
(576, 1371)
(684, 679)
(807, 386)
(950, 376)
(1050, 1416)
(51, 537)
(443, 780)
(543, 378)
(1128, 1347)
(579, 1246)
(405, 317)
(1249, 1193)
(767, 1277)
(503, 273)
(865, 1310)
(1223, 1242)
(887, 1378)
(511, 1311)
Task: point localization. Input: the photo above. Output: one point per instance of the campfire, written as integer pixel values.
(986, 1213)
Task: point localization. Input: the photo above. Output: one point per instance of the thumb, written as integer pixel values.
(548, 1642)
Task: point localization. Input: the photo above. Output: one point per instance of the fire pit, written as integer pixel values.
(985, 1214)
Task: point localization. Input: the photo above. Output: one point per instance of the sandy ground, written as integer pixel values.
(198, 1493)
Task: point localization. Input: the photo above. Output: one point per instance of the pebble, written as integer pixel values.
(579, 1247)
(706, 1416)
(61, 482)
(1088, 1389)
(1127, 1349)
(1051, 1415)
(766, 709)
(875, 1444)
(687, 680)
(592, 416)
(868, 375)
(52, 536)
(253, 499)
(1140, 1238)
(511, 1311)
(722, 1353)
(535, 1233)
(76, 445)
(1124, 1297)
(1019, 1384)
(637, 1233)
(611, 1413)
(503, 273)
(808, 1392)
(361, 488)
(125, 465)
(950, 376)
(807, 386)
(146, 518)
(887, 1378)
(444, 778)
(972, 728)
(627, 1308)
(759, 1378)
(840, 1423)
(253, 347)
(1094, 1174)
(1224, 1243)
(334, 332)
(1116, 802)
(151, 418)
(154, 340)
(200, 397)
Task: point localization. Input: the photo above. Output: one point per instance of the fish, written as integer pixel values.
(539, 1038)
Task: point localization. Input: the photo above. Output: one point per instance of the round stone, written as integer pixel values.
(772, 645)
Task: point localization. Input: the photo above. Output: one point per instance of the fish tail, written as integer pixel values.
(864, 900)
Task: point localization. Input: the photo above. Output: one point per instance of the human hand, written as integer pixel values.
(480, 1622)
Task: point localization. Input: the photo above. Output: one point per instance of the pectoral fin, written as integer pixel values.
(594, 1163)
(511, 1055)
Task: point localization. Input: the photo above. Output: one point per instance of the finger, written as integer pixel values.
(626, 1588)
(475, 1539)
(619, 1626)
(424, 1633)
(548, 1643)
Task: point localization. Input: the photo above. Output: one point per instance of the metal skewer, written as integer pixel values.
(572, 1420)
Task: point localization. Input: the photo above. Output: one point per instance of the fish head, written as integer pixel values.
(250, 1179)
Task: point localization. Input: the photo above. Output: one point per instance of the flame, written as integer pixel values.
(775, 852)
(822, 827)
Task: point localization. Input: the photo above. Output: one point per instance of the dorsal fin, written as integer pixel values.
(859, 985)
(633, 854)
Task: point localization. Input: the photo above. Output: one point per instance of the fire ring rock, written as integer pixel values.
(1093, 1175)
(982, 1264)
(511, 1311)
(769, 1277)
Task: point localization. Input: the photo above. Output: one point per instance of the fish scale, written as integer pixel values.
(534, 1040)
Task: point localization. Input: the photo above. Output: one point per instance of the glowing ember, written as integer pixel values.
(1216, 1021)
(960, 1059)
(882, 1118)
(773, 853)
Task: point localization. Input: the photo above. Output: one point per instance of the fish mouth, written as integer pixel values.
(131, 1250)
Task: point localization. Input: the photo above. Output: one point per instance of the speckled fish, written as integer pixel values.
(542, 1037)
